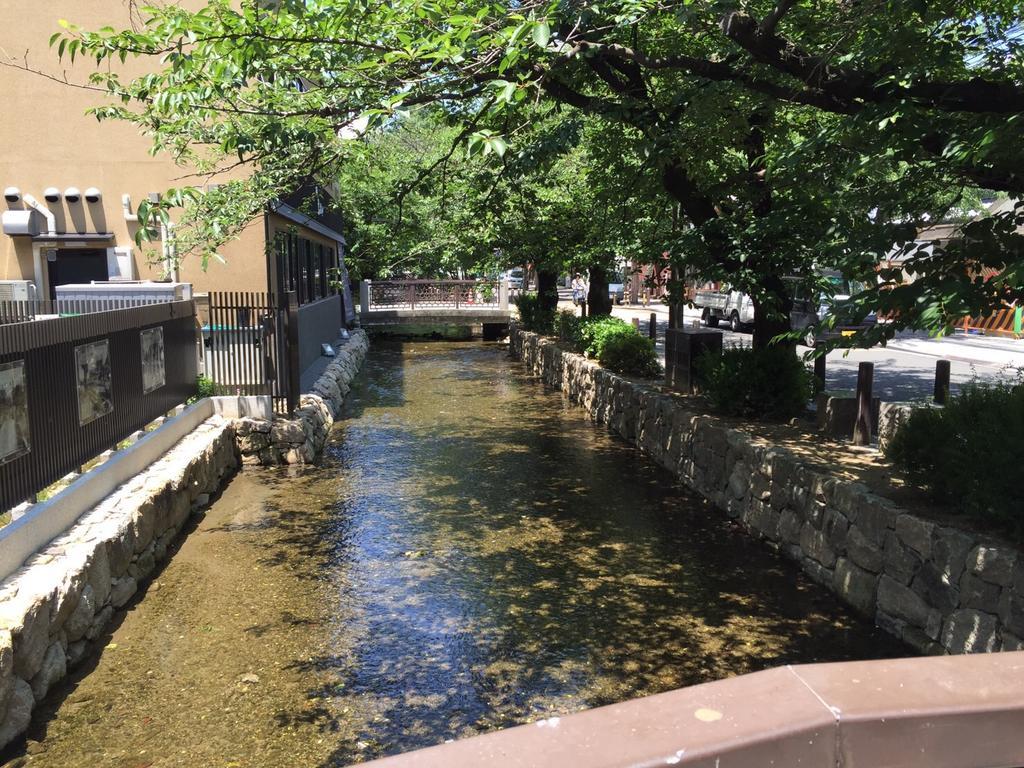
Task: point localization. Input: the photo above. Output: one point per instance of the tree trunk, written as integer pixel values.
(547, 289)
(771, 315)
(598, 300)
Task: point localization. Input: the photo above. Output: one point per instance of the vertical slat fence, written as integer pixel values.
(50, 401)
(246, 346)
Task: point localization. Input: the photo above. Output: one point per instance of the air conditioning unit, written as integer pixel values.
(17, 290)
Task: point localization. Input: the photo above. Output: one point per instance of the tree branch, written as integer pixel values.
(771, 21)
(975, 95)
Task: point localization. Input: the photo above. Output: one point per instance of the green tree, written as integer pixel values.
(411, 200)
(788, 135)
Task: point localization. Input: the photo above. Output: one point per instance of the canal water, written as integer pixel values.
(471, 553)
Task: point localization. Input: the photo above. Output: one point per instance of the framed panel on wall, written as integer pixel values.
(154, 375)
(94, 375)
(14, 428)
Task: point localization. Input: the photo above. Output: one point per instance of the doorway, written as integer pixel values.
(77, 265)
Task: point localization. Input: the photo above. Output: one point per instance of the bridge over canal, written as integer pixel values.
(449, 309)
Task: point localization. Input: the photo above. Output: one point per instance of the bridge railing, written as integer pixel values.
(467, 295)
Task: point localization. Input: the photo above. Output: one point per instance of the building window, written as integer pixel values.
(305, 267)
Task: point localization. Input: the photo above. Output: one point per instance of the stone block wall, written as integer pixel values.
(63, 597)
(299, 439)
(939, 589)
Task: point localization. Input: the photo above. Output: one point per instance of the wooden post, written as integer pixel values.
(941, 392)
(652, 328)
(819, 370)
(294, 374)
(865, 381)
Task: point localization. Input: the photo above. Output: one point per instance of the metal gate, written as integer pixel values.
(248, 346)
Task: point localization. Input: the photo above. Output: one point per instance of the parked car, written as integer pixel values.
(730, 307)
(737, 310)
(841, 290)
(515, 278)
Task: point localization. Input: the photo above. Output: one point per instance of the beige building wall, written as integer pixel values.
(47, 140)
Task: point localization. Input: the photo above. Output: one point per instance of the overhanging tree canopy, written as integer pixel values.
(789, 134)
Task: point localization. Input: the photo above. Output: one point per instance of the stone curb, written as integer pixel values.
(937, 588)
(60, 601)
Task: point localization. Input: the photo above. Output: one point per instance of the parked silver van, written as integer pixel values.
(737, 310)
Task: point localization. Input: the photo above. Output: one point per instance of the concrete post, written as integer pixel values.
(364, 296)
(503, 294)
(683, 347)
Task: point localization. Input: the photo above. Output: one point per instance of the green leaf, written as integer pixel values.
(541, 34)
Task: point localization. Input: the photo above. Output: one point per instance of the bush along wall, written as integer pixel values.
(964, 453)
(771, 383)
(939, 589)
(617, 345)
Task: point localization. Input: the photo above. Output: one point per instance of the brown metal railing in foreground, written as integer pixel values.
(937, 712)
(247, 339)
(73, 387)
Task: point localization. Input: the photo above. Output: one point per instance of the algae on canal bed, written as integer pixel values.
(472, 553)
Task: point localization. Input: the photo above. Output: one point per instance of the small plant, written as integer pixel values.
(964, 452)
(767, 383)
(205, 387)
(630, 353)
(533, 316)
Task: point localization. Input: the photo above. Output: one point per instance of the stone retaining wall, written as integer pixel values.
(299, 440)
(62, 598)
(939, 589)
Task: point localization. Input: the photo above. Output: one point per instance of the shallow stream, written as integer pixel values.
(471, 553)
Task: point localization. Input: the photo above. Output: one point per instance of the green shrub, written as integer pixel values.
(595, 332)
(630, 353)
(569, 328)
(533, 316)
(966, 454)
(767, 383)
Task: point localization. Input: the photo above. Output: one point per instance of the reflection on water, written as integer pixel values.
(471, 554)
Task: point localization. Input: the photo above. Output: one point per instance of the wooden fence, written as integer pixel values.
(73, 387)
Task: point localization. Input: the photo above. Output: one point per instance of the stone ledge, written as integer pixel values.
(937, 588)
(299, 439)
(62, 598)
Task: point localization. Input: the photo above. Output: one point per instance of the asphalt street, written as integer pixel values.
(904, 369)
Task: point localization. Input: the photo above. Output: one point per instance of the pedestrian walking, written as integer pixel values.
(579, 290)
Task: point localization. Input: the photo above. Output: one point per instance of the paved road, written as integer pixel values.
(904, 370)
